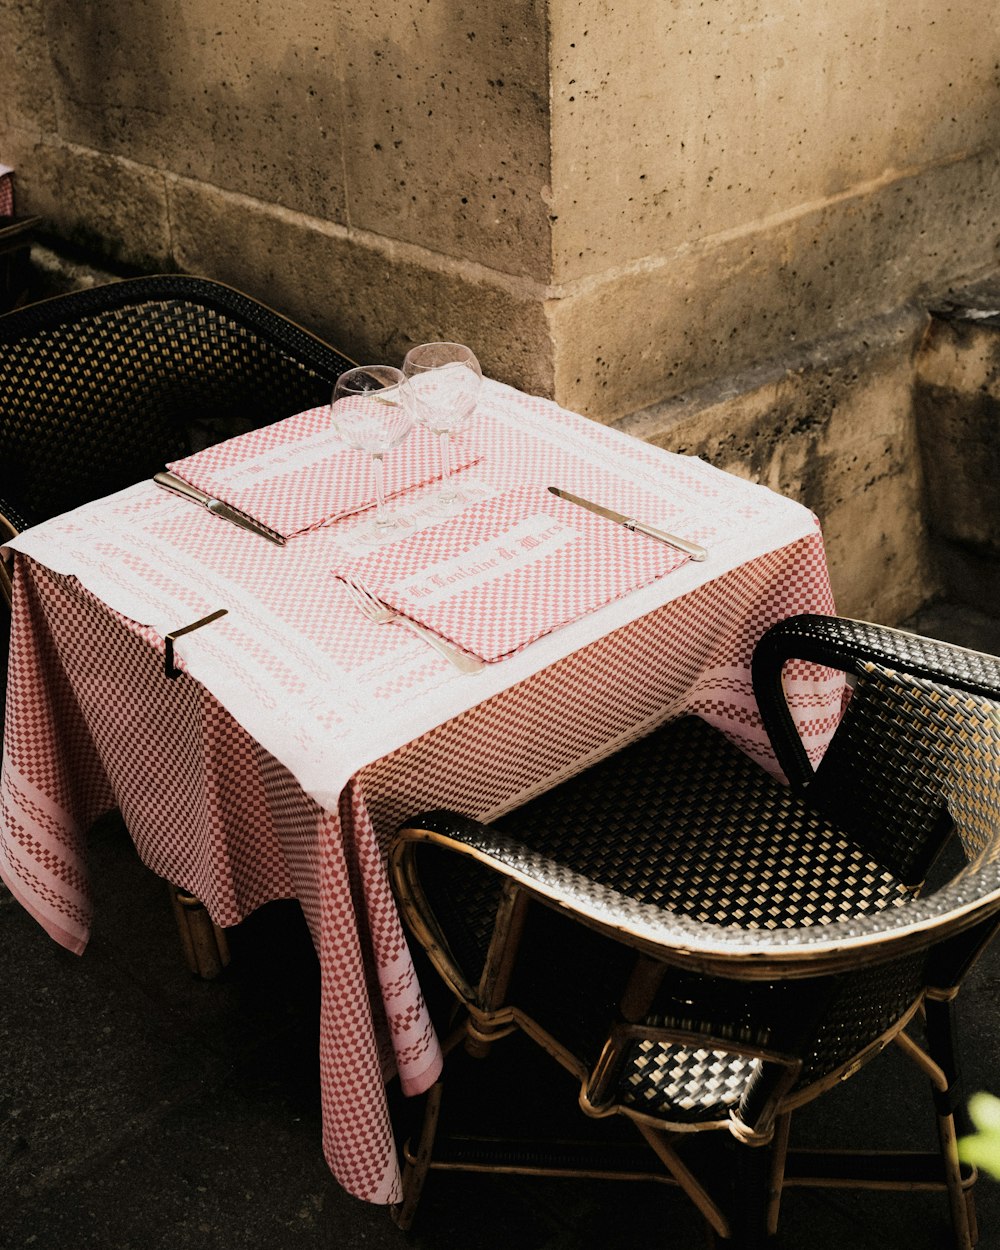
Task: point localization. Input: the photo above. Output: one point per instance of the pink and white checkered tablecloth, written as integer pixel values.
(301, 734)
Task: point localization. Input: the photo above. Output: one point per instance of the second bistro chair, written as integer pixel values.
(703, 948)
(99, 388)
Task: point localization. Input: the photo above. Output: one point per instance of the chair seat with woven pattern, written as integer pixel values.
(704, 947)
(685, 820)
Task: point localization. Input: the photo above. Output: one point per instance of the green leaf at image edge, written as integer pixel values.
(982, 1149)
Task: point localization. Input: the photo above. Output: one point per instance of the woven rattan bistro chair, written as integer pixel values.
(99, 388)
(704, 948)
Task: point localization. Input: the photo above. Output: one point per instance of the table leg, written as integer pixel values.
(205, 947)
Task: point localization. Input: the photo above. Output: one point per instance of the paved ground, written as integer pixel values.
(142, 1109)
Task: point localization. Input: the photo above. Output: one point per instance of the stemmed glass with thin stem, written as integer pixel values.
(372, 411)
(444, 381)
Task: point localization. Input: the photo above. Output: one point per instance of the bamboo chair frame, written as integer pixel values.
(943, 709)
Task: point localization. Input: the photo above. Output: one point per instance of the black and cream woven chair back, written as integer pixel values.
(924, 763)
(916, 756)
(706, 948)
(100, 388)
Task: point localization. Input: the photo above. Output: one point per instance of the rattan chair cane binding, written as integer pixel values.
(703, 948)
(100, 388)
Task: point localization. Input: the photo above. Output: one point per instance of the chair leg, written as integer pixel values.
(776, 1173)
(961, 1198)
(205, 947)
(415, 1171)
(751, 1194)
(970, 1214)
(952, 1118)
(710, 1211)
(940, 1064)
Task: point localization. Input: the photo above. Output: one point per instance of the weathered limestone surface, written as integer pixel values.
(134, 127)
(360, 298)
(957, 401)
(682, 191)
(659, 328)
(688, 209)
(835, 430)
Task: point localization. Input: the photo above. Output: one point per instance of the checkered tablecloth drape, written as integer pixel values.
(300, 735)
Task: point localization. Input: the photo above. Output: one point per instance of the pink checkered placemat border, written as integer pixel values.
(296, 474)
(511, 568)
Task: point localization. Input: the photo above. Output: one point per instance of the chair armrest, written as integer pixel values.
(558, 885)
(747, 954)
(848, 645)
(12, 520)
(11, 524)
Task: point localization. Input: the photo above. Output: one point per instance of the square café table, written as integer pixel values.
(299, 734)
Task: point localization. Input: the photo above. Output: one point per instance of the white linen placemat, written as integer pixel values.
(511, 568)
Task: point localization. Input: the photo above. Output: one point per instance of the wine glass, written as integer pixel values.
(372, 411)
(444, 381)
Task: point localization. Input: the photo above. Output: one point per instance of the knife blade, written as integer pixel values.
(694, 550)
(171, 482)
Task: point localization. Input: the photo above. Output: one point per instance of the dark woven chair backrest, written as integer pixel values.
(100, 388)
(913, 761)
(917, 754)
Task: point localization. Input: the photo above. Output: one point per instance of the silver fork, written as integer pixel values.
(379, 612)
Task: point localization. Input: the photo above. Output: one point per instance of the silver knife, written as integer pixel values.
(695, 551)
(170, 481)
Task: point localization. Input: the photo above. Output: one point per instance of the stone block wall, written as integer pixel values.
(614, 203)
(733, 180)
(717, 225)
(957, 408)
(379, 169)
(833, 426)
